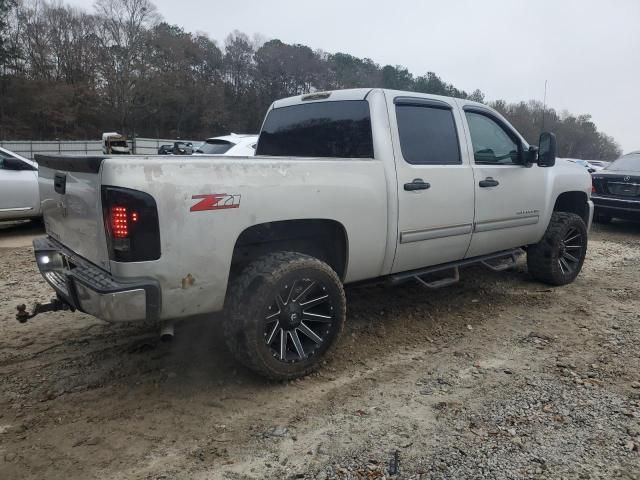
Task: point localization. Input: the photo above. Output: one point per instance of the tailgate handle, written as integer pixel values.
(60, 183)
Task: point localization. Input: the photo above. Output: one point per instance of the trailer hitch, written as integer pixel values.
(54, 305)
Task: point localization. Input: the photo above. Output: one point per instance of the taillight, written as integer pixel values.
(131, 225)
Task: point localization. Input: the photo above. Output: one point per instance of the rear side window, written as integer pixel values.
(215, 147)
(340, 129)
(427, 135)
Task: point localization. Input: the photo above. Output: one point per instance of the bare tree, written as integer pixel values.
(122, 27)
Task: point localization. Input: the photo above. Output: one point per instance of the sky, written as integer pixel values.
(588, 51)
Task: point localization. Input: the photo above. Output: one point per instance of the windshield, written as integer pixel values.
(118, 143)
(628, 163)
(215, 147)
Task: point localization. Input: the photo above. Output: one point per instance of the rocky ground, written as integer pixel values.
(497, 377)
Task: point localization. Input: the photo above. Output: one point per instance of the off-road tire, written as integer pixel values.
(253, 292)
(544, 257)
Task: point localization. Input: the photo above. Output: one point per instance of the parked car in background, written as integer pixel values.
(234, 145)
(599, 163)
(586, 164)
(19, 194)
(165, 150)
(178, 148)
(114, 143)
(182, 148)
(616, 189)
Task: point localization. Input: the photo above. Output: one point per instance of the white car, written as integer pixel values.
(19, 194)
(234, 145)
(588, 164)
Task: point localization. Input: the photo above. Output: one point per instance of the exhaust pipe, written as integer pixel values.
(166, 332)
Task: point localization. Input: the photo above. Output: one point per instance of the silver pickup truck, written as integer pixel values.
(345, 186)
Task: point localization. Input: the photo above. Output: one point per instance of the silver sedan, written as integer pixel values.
(19, 194)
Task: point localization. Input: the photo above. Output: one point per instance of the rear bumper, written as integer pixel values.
(90, 289)
(616, 207)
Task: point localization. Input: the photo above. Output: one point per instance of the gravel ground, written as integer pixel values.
(497, 377)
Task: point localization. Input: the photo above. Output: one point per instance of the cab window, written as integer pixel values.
(492, 144)
(427, 135)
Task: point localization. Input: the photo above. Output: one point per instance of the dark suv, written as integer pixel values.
(616, 189)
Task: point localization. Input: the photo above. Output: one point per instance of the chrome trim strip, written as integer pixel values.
(624, 183)
(511, 222)
(614, 199)
(17, 209)
(432, 233)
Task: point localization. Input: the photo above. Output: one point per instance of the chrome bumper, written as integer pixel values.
(90, 289)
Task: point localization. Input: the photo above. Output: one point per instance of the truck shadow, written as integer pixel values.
(378, 319)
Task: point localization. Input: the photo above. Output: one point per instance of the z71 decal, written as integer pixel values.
(215, 201)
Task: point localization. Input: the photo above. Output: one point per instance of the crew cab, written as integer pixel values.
(346, 186)
(616, 189)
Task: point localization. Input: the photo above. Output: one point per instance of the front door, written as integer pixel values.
(509, 195)
(435, 182)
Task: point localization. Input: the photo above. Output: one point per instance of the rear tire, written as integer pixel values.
(285, 313)
(557, 259)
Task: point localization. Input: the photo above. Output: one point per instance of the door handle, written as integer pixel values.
(416, 184)
(489, 182)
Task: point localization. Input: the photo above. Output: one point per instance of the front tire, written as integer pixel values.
(557, 259)
(285, 313)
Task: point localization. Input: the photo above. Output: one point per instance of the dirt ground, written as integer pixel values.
(496, 377)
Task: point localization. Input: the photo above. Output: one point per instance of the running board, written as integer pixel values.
(496, 261)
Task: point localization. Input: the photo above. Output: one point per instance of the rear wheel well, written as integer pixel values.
(573, 202)
(323, 239)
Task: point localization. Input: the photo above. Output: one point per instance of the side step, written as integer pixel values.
(495, 261)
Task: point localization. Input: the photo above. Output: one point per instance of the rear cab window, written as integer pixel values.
(335, 129)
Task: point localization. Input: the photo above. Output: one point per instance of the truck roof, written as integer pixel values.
(355, 94)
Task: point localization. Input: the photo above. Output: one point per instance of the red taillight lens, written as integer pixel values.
(593, 188)
(119, 222)
(121, 219)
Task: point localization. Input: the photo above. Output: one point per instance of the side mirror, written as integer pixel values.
(530, 156)
(547, 150)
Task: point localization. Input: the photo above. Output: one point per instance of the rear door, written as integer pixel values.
(18, 188)
(509, 196)
(435, 182)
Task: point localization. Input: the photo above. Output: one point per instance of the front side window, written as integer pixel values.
(340, 129)
(427, 135)
(491, 142)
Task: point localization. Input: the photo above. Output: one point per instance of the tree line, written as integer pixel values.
(71, 74)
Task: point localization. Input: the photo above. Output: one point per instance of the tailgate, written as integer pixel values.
(70, 191)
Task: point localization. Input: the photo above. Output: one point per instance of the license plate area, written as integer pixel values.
(624, 189)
